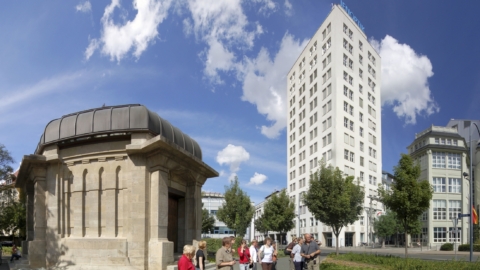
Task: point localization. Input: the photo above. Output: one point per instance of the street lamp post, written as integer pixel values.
(471, 190)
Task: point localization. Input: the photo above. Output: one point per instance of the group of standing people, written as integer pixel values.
(304, 253)
(249, 257)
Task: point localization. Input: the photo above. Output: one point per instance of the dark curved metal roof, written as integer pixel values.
(115, 119)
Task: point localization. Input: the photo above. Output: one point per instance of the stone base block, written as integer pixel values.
(160, 254)
(37, 253)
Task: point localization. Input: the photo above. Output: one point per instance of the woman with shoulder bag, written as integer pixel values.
(268, 253)
(244, 254)
(200, 255)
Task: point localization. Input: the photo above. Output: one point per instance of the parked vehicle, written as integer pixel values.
(7, 243)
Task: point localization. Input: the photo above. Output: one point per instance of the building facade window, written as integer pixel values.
(439, 210)
(439, 184)
(454, 185)
(454, 208)
(438, 160)
(439, 234)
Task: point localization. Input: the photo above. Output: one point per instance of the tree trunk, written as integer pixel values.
(336, 241)
(406, 250)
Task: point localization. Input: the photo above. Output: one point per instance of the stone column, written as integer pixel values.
(29, 188)
(76, 203)
(37, 247)
(160, 250)
(193, 213)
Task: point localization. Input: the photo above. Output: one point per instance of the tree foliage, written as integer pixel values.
(409, 196)
(260, 225)
(12, 218)
(5, 161)
(333, 199)
(237, 210)
(208, 221)
(385, 226)
(278, 213)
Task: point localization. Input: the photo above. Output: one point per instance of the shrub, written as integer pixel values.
(466, 247)
(214, 244)
(447, 247)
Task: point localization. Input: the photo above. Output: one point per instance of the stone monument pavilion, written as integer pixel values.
(112, 188)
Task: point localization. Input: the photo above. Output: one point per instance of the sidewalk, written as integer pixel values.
(4, 265)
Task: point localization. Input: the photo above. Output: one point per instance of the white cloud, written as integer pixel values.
(222, 25)
(84, 7)
(288, 8)
(257, 179)
(405, 80)
(267, 6)
(264, 82)
(233, 156)
(137, 34)
(58, 83)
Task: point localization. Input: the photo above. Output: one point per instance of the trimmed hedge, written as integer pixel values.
(466, 247)
(447, 247)
(394, 263)
(214, 244)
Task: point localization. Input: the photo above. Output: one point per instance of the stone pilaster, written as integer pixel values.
(37, 247)
(160, 250)
(30, 199)
(193, 206)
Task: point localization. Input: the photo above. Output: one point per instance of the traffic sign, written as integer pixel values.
(463, 215)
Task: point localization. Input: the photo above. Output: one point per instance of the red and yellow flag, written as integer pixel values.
(475, 216)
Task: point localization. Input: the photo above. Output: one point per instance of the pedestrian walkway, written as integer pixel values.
(4, 265)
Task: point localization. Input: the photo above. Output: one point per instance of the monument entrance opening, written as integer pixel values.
(173, 220)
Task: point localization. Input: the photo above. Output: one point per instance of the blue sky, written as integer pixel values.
(217, 70)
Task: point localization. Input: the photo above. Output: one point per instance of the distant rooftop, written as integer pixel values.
(438, 129)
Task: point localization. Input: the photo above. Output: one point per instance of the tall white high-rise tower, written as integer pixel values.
(334, 114)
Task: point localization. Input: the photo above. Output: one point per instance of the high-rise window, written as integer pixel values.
(439, 210)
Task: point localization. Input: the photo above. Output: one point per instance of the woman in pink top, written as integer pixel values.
(244, 254)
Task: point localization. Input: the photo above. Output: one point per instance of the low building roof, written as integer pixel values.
(111, 120)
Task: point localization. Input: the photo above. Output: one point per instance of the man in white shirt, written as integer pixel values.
(254, 254)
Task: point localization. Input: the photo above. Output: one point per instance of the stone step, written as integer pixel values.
(20, 264)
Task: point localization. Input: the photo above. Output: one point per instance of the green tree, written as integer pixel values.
(237, 210)
(208, 221)
(409, 196)
(12, 218)
(333, 199)
(279, 213)
(260, 225)
(5, 161)
(385, 226)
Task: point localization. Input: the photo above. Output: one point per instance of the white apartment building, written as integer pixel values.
(212, 201)
(443, 157)
(258, 235)
(334, 114)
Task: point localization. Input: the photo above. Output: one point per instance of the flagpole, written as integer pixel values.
(471, 192)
